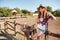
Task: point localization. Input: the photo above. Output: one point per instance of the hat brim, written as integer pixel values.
(42, 7)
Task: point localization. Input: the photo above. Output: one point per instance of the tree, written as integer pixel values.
(36, 12)
(57, 13)
(49, 8)
(4, 11)
(26, 12)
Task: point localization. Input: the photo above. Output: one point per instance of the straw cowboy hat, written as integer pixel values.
(43, 6)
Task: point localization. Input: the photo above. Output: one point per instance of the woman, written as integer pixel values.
(43, 17)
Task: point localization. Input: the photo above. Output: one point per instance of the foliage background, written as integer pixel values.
(5, 11)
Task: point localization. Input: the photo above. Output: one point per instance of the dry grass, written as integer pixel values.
(54, 26)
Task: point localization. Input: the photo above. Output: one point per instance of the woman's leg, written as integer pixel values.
(37, 35)
(34, 37)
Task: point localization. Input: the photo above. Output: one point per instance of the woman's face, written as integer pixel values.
(41, 10)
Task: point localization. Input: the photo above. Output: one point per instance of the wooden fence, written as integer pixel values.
(30, 32)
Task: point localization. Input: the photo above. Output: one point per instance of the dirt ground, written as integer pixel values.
(53, 26)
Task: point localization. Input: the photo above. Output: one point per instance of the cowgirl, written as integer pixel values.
(43, 17)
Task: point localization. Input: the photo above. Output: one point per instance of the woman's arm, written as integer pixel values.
(51, 16)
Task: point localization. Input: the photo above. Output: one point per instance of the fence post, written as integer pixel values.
(5, 26)
(15, 26)
(46, 33)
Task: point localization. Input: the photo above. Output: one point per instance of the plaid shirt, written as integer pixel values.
(48, 16)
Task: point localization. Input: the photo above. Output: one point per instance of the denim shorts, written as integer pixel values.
(41, 27)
